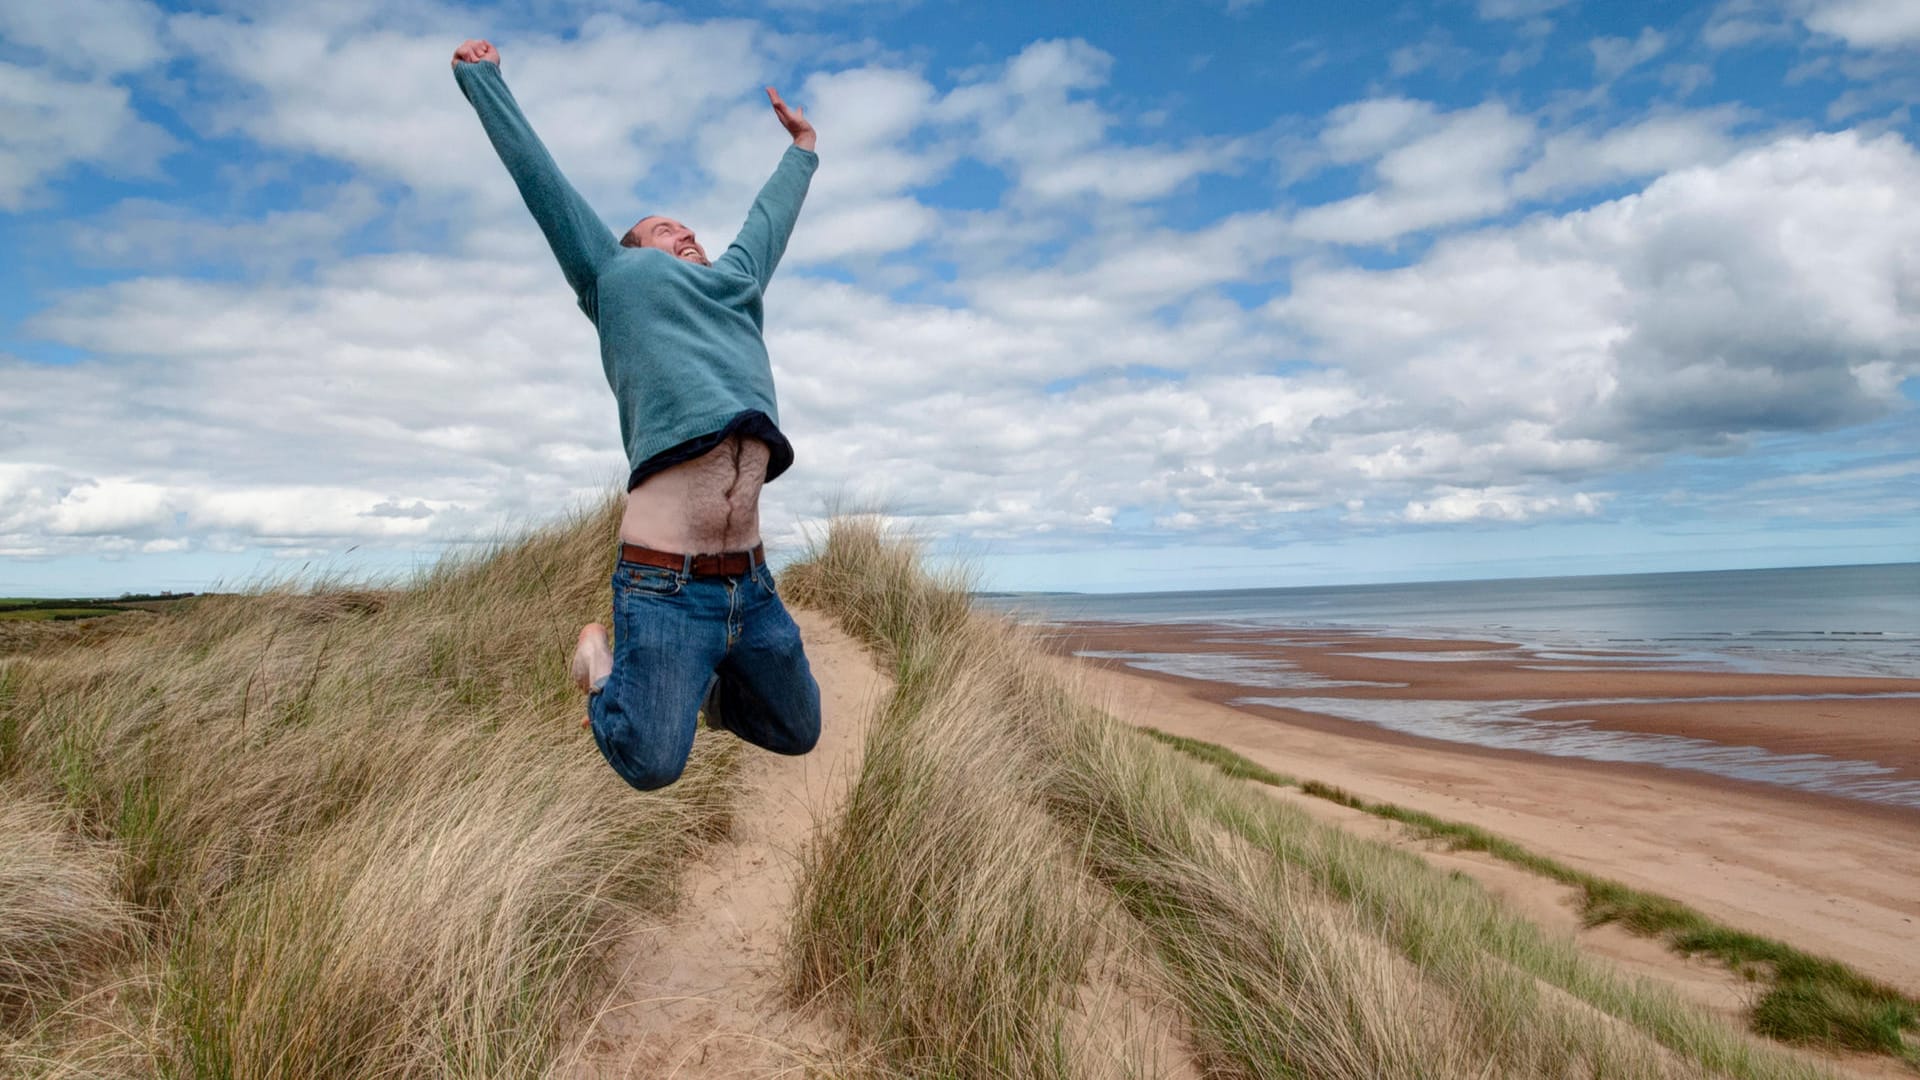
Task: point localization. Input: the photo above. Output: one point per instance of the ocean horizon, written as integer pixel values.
(1860, 619)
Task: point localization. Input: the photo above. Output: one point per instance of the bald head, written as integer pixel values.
(668, 235)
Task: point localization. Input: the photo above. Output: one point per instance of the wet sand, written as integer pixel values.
(1829, 872)
(1845, 737)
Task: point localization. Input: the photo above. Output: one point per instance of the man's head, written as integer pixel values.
(669, 236)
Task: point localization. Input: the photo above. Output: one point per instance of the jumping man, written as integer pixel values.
(697, 624)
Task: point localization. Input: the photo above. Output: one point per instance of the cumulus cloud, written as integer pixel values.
(1859, 24)
(1615, 56)
(1066, 365)
(1029, 120)
(384, 100)
(1579, 158)
(1432, 168)
(51, 122)
(1435, 168)
(95, 38)
(1864, 24)
(447, 391)
(263, 412)
(873, 153)
(147, 234)
(1735, 23)
(1663, 321)
(1454, 506)
(1518, 9)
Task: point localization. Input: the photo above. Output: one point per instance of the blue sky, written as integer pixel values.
(1122, 296)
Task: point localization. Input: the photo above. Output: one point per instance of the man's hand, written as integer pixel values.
(472, 52)
(794, 120)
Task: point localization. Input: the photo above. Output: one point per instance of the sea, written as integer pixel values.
(1819, 620)
(1812, 620)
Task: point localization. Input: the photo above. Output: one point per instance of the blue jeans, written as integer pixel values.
(679, 639)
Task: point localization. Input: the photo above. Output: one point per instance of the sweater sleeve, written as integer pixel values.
(580, 240)
(763, 239)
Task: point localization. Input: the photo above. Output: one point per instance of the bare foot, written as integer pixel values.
(592, 657)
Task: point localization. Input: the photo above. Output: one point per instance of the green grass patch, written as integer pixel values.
(1227, 761)
(1809, 1000)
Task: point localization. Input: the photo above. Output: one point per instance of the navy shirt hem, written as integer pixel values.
(751, 423)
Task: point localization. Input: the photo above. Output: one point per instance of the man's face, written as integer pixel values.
(669, 236)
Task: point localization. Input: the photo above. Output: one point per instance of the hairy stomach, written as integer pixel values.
(711, 503)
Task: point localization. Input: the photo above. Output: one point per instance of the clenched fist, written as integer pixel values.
(473, 52)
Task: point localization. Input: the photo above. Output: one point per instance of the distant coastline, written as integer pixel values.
(1836, 620)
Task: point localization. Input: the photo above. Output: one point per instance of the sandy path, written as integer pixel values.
(1824, 878)
(701, 996)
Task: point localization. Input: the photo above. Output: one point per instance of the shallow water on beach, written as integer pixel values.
(1505, 725)
(1258, 671)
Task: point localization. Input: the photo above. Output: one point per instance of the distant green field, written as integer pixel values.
(55, 614)
(60, 609)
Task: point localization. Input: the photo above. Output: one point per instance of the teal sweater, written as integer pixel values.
(681, 343)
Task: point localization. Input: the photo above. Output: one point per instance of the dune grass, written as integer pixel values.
(329, 830)
(941, 916)
(1807, 999)
(1290, 948)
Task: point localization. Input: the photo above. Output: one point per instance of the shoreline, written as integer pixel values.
(1847, 741)
(1839, 877)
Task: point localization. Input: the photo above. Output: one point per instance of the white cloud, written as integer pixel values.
(1736, 23)
(1436, 169)
(1454, 506)
(1579, 159)
(471, 388)
(148, 233)
(859, 203)
(1615, 56)
(1436, 51)
(1366, 129)
(51, 122)
(95, 38)
(1861, 24)
(1029, 120)
(871, 227)
(1073, 361)
(1663, 321)
(1865, 24)
(386, 100)
(1518, 9)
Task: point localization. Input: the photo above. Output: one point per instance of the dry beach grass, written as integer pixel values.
(349, 832)
(326, 832)
(1291, 948)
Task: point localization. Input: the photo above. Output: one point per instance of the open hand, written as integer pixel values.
(474, 51)
(794, 120)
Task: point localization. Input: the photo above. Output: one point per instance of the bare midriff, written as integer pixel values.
(709, 504)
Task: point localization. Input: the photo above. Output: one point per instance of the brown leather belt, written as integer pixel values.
(722, 564)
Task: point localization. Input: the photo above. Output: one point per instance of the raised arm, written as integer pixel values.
(763, 239)
(580, 241)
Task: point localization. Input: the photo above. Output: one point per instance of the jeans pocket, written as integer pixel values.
(647, 580)
(765, 577)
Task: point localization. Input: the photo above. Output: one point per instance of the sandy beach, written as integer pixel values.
(1780, 804)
